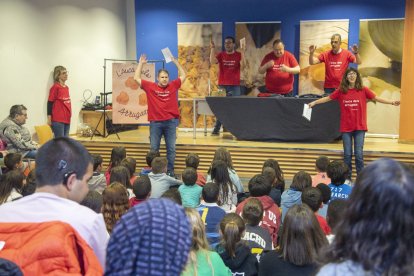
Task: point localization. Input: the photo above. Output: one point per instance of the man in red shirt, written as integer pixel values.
(162, 108)
(279, 66)
(230, 63)
(336, 62)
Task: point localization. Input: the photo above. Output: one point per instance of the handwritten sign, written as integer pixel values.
(129, 101)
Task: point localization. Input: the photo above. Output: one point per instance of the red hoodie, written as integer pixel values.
(271, 215)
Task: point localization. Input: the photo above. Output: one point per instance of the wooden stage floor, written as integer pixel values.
(248, 156)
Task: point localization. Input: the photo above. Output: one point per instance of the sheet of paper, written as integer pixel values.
(243, 43)
(307, 112)
(167, 54)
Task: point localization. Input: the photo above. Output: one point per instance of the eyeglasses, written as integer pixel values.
(351, 74)
(64, 72)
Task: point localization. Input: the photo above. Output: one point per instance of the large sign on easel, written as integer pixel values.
(129, 102)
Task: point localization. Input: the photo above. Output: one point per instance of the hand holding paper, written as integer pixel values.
(307, 112)
(168, 56)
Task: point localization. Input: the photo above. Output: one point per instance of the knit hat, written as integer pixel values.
(153, 238)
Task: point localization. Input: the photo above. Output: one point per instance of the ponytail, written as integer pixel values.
(232, 227)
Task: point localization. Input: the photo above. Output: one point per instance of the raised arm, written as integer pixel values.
(355, 51)
(181, 71)
(312, 59)
(213, 59)
(319, 101)
(386, 101)
(141, 62)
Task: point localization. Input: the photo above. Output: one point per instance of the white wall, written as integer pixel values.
(36, 35)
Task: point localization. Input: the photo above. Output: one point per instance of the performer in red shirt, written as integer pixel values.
(336, 62)
(230, 64)
(352, 98)
(279, 66)
(162, 108)
(59, 110)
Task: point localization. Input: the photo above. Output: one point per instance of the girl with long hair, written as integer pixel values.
(233, 250)
(352, 97)
(11, 185)
(227, 190)
(280, 178)
(202, 261)
(301, 241)
(117, 155)
(121, 174)
(375, 234)
(115, 204)
(222, 154)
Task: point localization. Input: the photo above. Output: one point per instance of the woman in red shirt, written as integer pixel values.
(352, 98)
(59, 110)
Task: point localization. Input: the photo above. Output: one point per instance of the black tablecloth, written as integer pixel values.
(277, 119)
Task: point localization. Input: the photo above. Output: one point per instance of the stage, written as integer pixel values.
(248, 156)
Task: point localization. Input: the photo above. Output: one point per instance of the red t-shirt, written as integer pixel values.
(277, 81)
(162, 101)
(324, 225)
(229, 65)
(62, 109)
(335, 66)
(353, 106)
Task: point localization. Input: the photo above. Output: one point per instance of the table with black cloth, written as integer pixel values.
(276, 119)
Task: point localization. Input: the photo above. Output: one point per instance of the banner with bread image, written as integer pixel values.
(129, 102)
(319, 33)
(193, 54)
(381, 46)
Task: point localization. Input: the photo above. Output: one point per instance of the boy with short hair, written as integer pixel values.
(258, 239)
(142, 190)
(98, 180)
(338, 172)
(13, 161)
(148, 158)
(160, 181)
(211, 213)
(193, 160)
(321, 165)
(313, 198)
(190, 192)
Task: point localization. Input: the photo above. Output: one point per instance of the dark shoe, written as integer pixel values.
(215, 133)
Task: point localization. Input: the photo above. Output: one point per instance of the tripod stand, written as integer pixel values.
(104, 117)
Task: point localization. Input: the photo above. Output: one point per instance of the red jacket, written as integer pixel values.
(48, 248)
(271, 215)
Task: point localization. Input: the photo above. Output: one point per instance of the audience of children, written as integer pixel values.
(202, 261)
(321, 176)
(227, 190)
(148, 159)
(141, 189)
(211, 214)
(258, 239)
(336, 210)
(190, 192)
(160, 181)
(338, 172)
(259, 188)
(313, 198)
(11, 184)
(292, 196)
(114, 204)
(326, 197)
(117, 155)
(93, 201)
(374, 236)
(193, 160)
(131, 164)
(98, 180)
(300, 242)
(222, 154)
(233, 250)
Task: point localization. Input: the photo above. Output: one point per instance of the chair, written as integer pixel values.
(44, 133)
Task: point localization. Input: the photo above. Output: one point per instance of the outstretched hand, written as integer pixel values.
(143, 59)
(312, 49)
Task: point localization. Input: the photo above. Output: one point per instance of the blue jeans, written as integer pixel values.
(231, 90)
(60, 129)
(168, 130)
(31, 154)
(358, 136)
